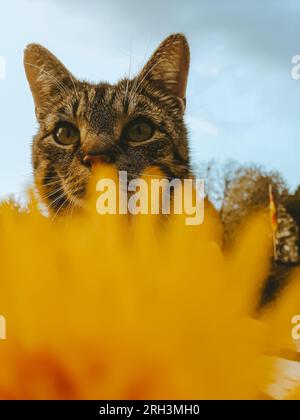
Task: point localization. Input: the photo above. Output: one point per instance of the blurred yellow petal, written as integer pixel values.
(98, 307)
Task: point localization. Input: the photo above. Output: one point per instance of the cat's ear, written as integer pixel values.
(45, 74)
(168, 68)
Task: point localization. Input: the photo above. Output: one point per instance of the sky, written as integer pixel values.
(242, 101)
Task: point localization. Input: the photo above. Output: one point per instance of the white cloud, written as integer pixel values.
(242, 100)
(201, 125)
(209, 71)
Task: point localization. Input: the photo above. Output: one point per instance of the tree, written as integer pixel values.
(217, 179)
(292, 205)
(247, 194)
(240, 192)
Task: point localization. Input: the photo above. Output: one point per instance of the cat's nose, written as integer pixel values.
(98, 149)
(95, 159)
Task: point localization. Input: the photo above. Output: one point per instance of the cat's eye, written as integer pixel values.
(66, 134)
(140, 130)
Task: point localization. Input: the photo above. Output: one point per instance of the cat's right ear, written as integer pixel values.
(168, 68)
(46, 75)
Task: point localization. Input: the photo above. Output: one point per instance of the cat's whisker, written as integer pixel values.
(63, 89)
(70, 208)
(136, 86)
(142, 64)
(70, 193)
(55, 179)
(70, 201)
(48, 196)
(59, 209)
(148, 72)
(63, 194)
(131, 94)
(74, 86)
(52, 179)
(129, 75)
(60, 189)
(140, 85)
(51, 183)
(65, 201)
(128, 78)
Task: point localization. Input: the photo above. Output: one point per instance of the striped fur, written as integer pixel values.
(101, 112)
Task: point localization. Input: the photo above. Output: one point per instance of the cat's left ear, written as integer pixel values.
(168, 68)
(46, 75)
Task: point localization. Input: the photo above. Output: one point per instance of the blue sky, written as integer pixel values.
(243, 103)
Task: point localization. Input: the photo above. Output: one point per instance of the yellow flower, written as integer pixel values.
(98, 308)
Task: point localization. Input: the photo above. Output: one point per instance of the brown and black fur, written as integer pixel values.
(101, 112)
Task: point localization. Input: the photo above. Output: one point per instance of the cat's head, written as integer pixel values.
(135, 124)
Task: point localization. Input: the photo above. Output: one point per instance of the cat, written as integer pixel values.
(135, 124)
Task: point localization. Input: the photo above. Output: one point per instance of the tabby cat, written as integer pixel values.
(135, 124)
